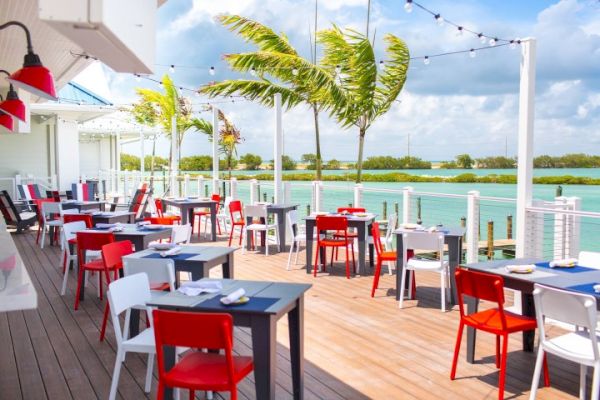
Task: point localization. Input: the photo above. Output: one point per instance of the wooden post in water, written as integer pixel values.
(490, 240)
(419, 220)
(272, 199)
(385, 210)
(509, 227)
(265, 197)
(559, 191)
(397, 211)
(350, 205)
(258, 190)
(224, 189)
(463, 224)
(308, 209)
(205, 190)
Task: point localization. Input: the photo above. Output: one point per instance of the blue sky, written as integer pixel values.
(455, 104)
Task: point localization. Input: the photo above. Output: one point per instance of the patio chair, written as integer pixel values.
(160, 271)
(590, 259)
(29, 192)
(431, 241)
(12, 217)
(388, 239)
(198, 370)
(580, 347)
(339, 228)
(223, 214)
(51, 214)
(259, 213)
(159, 212)
(298, 235)
(86, 218)
(83, 191)
(352, 234)
(204, 214)
(123, 295)
(237, 219)
(496, 321)
(69, 238)
(382, 255)
(53, 194)
(181, 234)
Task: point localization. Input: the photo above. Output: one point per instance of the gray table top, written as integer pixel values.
(286, 293)
(451, 230)
(134, 230)
(204, 253)
(189, 201)
(77, 202)
(370, 217)
(284, 207)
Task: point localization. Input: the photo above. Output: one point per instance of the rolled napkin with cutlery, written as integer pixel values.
(173, 252)
(117, 228)
(194, 288)
(233, 296)
(597, 288)
(566, 262)
(520, 269)
(106, 226)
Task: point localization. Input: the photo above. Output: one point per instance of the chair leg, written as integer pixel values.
(411, 289)
(504, 356)
(43, 237)
(104, 321)
(401, 289)
(241, 230)
(79, 284)
(536, 374)
(192, 394)
(115, 378)
(315, 265)
(267, 242)
(443, 287)
(456, 350)
(149, 370)
(596, 381)
(290, 255)
(582, 381)
(63, 289)
(244, 244)
(348, 263)
(160, 390)
(497, 351)
(297, 252)
(376, 277)
(231, 235)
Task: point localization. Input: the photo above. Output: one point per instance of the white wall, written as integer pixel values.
(96, 155)
(26, 153)
(67, 153)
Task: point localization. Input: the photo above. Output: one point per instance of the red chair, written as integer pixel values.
(205, 212)
(339, 225)
(197, 370)
(92, 241)
(497, 321)
(87, 218)
(159, 211)
(351, 234)
(382, 255)
(160, 220)
(38, 210)
(112, 257)
(237, 219)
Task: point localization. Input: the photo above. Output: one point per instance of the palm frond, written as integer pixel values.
(261, 91)
(394, 75)
(262, 36)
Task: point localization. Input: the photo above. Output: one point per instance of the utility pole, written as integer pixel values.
(368, 17)
(408, 145)
(506, 146)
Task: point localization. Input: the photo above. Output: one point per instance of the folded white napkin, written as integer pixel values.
(142, 223)
(173, 252)
(234, 296)
(597, 288)
(161, 246)
(117, 228)
(567, 262)
(520, 268)
(194, 288)
(104, 226)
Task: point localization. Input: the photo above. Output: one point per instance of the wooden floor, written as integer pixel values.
(356, 347)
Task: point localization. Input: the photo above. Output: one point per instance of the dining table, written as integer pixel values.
(269, 302)
(361, 223)
(578, 279)
(83, 205)
(280, 211)
(112, 217)
(188, 204)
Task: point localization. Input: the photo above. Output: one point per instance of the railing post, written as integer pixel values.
(126, 187)
(358, 189)
(534, 247)
(490, 240)
(233, 188)
(186, 185)
(253, 191)
(406, 193)
(560, 229)
(317, 196)
(472, 226)
(200, 180)
(509, 227)
(574, 227)
(287, 192)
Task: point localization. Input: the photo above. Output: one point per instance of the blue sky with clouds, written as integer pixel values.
(455, 104)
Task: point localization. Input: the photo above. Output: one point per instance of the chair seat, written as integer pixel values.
(96, 265)
(576, 346)
(54, 223)
(142, 343)
(27, 215)
(202, 212)
(160, 286)
(334, 242)
(389, 256)
(238, 222)
(207, 371)
(351, 234)
(431, 265)
(489, 320)
(72, 241)
(260, 227)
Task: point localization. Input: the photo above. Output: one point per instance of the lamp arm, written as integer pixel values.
(17, 23)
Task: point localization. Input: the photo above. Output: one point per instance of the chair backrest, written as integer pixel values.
(228, 200)
(351, 209)
(423, 241)
(217, 198)
(53, 194)
(181, 234)
(113, 253)
(376, 238)
(196, 330)
(256, 211)
(29, 192)
(590, 259)
(70, 230)
(9, 211)
(578, 309)
(159, 220)
(123, 294)
(235, 210)
(82, 191)
(158, 270)
(159, 207)
(51, 207)
(91, 241)
(292, 217)
(392, 225)
(86, 218)
(331, 223)
(482, 286)
(38, 209)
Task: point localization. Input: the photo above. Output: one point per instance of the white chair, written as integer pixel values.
(223, 216)
(123, 295)
(388, 240)
(590, 259)
(580, 346)
(299, 236)
(69, 233)
(181, 234)
(159, 271)
(49, 211)
(432, 241)
(259, 212)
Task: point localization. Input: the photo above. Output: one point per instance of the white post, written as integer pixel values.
(278, 150)
(186, 185)
(200, 186)
(317, 196)
(142, 155)
(472, 226)
(406, 193)
(54, 182)
(559, 239)
(215, 151)
(287, 192)
(525, 153)
(253, 191)
(125, 186)
(174, 158)
(358, 188)
(233, 184)
(574, 227)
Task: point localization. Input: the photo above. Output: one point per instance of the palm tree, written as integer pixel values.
(367, 92)
(280, 69)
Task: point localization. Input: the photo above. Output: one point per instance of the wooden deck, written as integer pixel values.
(356, 347)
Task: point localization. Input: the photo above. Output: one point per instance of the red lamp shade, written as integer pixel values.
(13, 106)
(6, 121)
(36, 79)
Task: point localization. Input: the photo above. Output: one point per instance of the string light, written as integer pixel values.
(172, 69)
(408, 7)
(381, 64)
(482, 38)
(493, 41)
(472, 53)
(426, 60)
(460, 30)
(295, 71)
(253, 71)
(211, 70)
(137, 77)
(439, 19)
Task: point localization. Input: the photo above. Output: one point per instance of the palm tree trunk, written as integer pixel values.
(152, 159)
(319, 162)
(361, 145)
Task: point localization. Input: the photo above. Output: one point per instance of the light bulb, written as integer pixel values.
(426, 60)
(493, 41)
(295, 71)
(460, 30)
(472, 53)
(381, 64)
(338, 69)
(197, 94)
(253, 71)
(137, 78)
(439, 19)
(482, 38)
(211, 70)
(408, 6)
(513, 43)
(172, 69)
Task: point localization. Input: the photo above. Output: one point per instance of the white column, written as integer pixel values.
(233, 184)
(287, 192)
(200, 186)
(574, 227)
(406, 194)
(215, 151)
(186, 185)
(253, 191)
(525, 153)
(142, 155)
(174, 158)
(560, 228)
(278, 150)
(472, 226)
(358, 188)
(317, 196)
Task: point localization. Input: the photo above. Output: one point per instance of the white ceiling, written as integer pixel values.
(53, 48)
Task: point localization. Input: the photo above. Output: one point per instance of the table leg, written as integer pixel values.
(296, 330)
(310, 231)
(169, 362)
(472, 306)
(264, 338)
(361, 232)
(454, 259)
(371, 255)
(213, 221)
(528, 309)
(281, 227)
(228, 267)
(189, 212)
(248, 234)
(399, 264)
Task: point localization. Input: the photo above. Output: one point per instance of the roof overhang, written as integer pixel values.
(71, 112)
